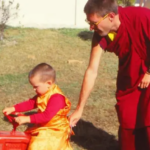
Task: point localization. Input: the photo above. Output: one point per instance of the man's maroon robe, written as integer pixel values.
(132, 46)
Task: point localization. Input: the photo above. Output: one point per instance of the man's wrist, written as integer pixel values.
(79, 108)
(148, 70)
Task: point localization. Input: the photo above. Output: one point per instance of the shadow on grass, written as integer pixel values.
(92, 138)
(86, 35)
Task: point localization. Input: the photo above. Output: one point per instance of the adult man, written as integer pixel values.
(131, 43)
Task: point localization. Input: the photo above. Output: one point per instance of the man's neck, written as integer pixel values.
(117, 23)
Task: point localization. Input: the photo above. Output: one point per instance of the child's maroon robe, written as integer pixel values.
(132, 46)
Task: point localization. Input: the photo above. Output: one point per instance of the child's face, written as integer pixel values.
(40, 87)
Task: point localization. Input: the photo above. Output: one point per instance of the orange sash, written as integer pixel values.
(53, 135)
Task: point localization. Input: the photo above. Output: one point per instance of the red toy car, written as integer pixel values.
(13, 140)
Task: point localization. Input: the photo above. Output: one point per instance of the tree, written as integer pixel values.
(8, 9)
(126, 2)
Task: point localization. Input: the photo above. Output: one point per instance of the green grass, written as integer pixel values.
(68, 51)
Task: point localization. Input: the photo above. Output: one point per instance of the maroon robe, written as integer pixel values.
(132, 46)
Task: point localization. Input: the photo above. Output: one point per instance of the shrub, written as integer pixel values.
(8, 9)
(126, 2)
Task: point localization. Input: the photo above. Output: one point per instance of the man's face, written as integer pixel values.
(101, 25)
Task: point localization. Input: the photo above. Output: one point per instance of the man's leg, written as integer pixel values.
(138, 139)
(148, 136)
(126, 139)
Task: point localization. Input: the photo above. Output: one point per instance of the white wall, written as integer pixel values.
(50, 14)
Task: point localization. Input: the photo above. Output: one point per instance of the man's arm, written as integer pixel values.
(88, 81)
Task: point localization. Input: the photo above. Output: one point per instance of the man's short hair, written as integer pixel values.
(101, 7)
(45, 71)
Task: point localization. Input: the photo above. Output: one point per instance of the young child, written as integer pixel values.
(51, 130)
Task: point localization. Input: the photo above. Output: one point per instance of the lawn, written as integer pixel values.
(68, 51)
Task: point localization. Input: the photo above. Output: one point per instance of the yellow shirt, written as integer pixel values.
(112, 35)
(53, 135)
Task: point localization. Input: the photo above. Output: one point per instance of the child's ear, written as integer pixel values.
(49, 82)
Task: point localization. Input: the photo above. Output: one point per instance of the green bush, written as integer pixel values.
(8, 9)
(126, 2)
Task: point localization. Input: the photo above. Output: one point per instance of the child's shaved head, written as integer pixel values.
(44, 71)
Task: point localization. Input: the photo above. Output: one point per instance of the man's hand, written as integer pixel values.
(22, 119)
(74, 117)
(145, 81)
(8, 110)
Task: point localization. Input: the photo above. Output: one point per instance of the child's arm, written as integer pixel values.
(55, 103)
(21, 107)
(9, 110)
(26, 105)
(22, 119)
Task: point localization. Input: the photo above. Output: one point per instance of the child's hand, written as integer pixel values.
(8, 110)
(22, 119)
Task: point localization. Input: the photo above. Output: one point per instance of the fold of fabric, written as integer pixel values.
(132, 46)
